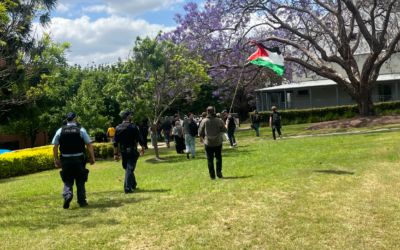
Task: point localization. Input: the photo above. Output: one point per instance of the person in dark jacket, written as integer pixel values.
(127, 135)
(167, 130)
(275, 122)
(72, 140)
(256, 122)
(144, 130)
(230, 123)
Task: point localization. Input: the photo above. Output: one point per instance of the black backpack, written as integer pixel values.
(275, 118)
(193, 128)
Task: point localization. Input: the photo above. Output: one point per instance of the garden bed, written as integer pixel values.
(357, 122)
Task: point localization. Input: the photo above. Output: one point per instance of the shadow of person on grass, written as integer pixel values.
(237, 177)
(338, 172)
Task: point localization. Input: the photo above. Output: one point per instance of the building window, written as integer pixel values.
(302, 92)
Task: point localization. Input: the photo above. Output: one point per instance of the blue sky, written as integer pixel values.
(103, 30)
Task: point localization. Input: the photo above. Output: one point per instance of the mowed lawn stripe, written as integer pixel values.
(338, 192)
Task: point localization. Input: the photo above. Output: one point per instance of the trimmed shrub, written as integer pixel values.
(39, 159)
(298, 116)
(26, 162)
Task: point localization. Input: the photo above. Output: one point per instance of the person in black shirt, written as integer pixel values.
(256, 122)
(128, 135)
(176, 119)
(275, 122)
(167, 130)
(230, 123)
(144, 130)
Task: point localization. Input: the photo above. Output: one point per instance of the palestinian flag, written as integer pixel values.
(268, 57)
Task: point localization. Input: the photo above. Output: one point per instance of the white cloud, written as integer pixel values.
(130, 7)
(97, 8)
(63, 7)
(100, 41)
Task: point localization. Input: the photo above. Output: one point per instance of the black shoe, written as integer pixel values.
(212, 178)
(128, 192)
(83, 204)
(66, 202)
(193, 157)
(220, 175)
(187, 155)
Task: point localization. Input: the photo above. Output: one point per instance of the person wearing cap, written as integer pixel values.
(128, 136)
(230, 123)
(110, 132)
(211, 129)
(71, 140)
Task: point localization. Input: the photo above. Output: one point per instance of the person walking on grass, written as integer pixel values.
(72, 140)
(178, 138)
(211, 129)
(166, 130)
(230, 123)
(203, 116)
(256, 122)
(275, 122)
(110, 132)
(189, 131)
(144, 130)
(127, 135)
(222, 133)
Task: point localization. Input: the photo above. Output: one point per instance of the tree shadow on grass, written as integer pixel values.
(237, 177)
(82, 217)
(338, 172)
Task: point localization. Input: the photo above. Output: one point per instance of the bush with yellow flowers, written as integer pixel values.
(26, 161)
(34, 160)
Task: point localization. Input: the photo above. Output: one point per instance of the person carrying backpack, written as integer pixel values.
(275, 122)
(189, 131)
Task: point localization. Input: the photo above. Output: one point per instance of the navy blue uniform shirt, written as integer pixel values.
(135, 131)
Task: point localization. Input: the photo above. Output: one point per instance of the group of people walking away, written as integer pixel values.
(274, 122)
(72, 139)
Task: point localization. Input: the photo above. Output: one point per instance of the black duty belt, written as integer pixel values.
(125, 146)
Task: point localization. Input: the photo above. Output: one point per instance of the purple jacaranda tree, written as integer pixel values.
(323, 38)
(157, 74)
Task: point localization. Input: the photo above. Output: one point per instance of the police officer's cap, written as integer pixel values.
(70, 116)
(223, 111)
(125, 114)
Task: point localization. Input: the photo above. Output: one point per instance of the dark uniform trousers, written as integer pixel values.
(129, 164)
(210, 159)
(73, 169)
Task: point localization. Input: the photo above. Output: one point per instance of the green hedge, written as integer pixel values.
(39, 159)
(298, 116)
(102, 150)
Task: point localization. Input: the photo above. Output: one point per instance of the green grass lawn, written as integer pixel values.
(298, 129)
(336, 192)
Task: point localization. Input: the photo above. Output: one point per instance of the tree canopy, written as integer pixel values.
(319, 36)
(157, 75)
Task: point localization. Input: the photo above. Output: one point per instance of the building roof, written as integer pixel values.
(323, 83)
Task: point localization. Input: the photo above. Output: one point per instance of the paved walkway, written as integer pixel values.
(163, 145)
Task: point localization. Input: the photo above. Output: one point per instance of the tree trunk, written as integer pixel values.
(365, 104)
(154, 129)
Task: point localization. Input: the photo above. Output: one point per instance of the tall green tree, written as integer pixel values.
(20, 50)
(157, 74)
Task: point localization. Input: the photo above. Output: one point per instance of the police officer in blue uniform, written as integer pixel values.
(72, 140)
(128, 135)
